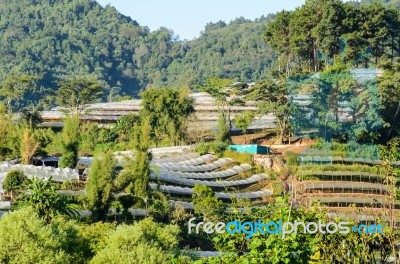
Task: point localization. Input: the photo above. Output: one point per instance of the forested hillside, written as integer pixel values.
(64, 38)
(322, 33)
(386, 3)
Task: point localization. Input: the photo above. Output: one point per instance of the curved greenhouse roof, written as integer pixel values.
(343, 176)
(338, 187)
(235, 170)
(42, 172)
(185, 191)
(170, 178)
(190, 168)
(305, 159)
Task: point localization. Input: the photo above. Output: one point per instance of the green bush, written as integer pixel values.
(291, 159)
(215, 147)
(239, 157)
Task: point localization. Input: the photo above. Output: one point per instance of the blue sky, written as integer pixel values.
(188, 18)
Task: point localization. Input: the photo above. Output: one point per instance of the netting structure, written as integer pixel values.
(353, 176)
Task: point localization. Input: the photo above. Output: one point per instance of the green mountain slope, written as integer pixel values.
(63, 38)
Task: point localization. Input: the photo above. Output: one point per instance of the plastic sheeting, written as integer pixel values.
(169, 178)
(235, 170)
(344, 187)
(226, 196)
(42, 172)
(190, 168)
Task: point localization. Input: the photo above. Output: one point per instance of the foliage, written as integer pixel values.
(102, 42)
(216, 147)
(135, 176)
(31, 241)
(29, 146)
(78, 92)
(95, 235)
(272, 97)
(14, 181)
(94, 140)
(243, 120)
(142, 242)
(9, 136)
(206, 203)
(319, 34)
(222, 129)
(42, 196)
(88, 137)
(167, 111)
(13, 88)
(238, 157)
(30, 118)
(160, 208)
(100, 185)
(124, 127)
(225, 95)
(70, 142)
(389, 90)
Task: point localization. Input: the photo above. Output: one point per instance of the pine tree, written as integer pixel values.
(70, 142)
(101, 185)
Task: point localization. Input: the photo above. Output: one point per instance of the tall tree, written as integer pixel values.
(75, 93)
(13, 87)
(389, 89)
(243, 121)
(225, 94)
(136, 174)
(70, 142)
(277, 34)
(167, 110)
(29, 145)
(272, 97)
(101, 185)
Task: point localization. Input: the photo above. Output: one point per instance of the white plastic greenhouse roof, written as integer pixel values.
(214, 174)
(188, 191)
(170, 178)
(338, 186)
(42, 172)
(345, 175)
(350, 199)
(190, 168)
(316, 159)
(181, 161)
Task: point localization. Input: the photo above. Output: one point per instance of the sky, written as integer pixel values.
(188, 18)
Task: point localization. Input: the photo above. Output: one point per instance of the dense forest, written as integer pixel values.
(331, 38)
(63, 38)
(323, 33)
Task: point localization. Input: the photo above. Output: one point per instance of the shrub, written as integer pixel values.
(215, 147)
(239, 157)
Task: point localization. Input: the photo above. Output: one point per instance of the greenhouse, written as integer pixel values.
(346, 201)
(185, 191)
(342, 176)
(235, 170)
(190, 168)
(342, 187)
(57, 174)
(170, 178)
(320, 160)
(190, 162)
